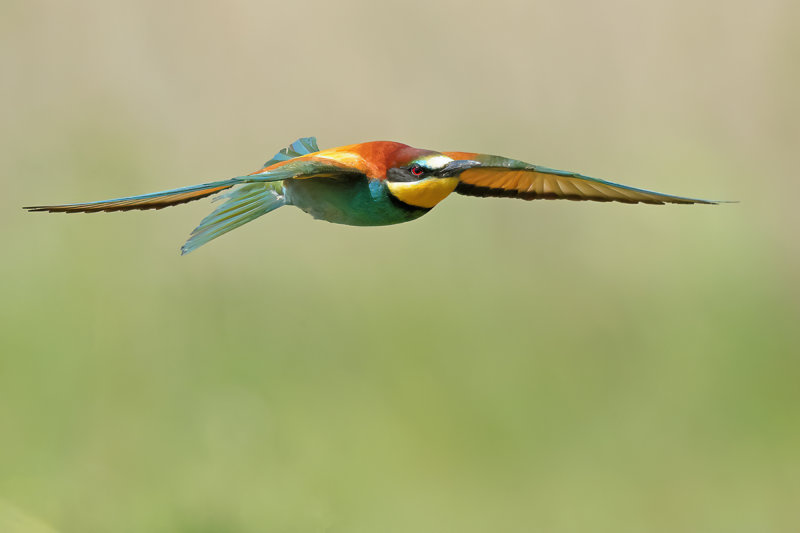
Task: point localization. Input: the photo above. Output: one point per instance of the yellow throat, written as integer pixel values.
(424, 193)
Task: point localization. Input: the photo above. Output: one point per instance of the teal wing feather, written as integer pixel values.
(302, 146)
(241, 205)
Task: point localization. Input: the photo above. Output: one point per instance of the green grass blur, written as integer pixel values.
(495, 366)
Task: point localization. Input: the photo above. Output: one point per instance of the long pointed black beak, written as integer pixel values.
(454, 168)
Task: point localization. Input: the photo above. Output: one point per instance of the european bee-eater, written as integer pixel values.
(371, 184)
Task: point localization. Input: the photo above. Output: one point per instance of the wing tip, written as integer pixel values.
(48, 209)
(700, 201)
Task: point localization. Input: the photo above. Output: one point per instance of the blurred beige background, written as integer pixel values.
(494, 366)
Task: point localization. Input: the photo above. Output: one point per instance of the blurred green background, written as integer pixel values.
(495, 366)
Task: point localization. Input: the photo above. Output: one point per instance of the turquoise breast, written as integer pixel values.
(355, 201)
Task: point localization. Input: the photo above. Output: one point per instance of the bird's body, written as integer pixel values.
(371, 184)
(355, 202)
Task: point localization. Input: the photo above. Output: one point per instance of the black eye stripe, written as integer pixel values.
(412, 172)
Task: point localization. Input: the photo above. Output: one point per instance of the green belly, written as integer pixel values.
(352, 201)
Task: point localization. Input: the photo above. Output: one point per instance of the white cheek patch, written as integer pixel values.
(436, 162)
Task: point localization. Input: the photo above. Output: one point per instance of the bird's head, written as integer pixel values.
(425, 179)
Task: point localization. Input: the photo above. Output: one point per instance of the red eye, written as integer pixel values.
(417, 170)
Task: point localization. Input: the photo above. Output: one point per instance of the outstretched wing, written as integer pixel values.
(504, 177)
(295, 161)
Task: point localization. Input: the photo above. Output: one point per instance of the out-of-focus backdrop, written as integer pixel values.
(497, 365)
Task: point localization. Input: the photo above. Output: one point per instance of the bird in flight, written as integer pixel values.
(370, 184)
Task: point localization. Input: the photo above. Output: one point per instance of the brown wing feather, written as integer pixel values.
(533, 184)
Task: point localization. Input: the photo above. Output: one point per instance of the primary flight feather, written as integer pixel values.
(370, 184)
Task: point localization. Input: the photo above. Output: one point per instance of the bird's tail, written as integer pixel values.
(155, 200)
(242, 204)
